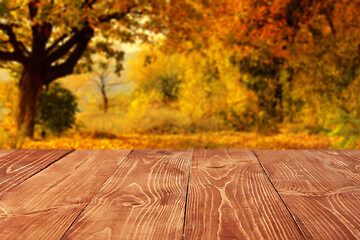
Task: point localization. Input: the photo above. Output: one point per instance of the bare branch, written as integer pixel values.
(97, 84)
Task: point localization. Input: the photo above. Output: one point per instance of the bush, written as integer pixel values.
(56, 109)
(347, 127)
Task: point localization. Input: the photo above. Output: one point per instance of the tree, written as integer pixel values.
(299, 56)
(105, 82)
(47, 39)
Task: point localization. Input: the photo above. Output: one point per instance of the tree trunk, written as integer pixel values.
(106, 104)
(279, 102)
(29, 92)
(105, 98)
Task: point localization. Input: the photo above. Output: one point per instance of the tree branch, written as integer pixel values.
(66, 68)
(66, 47)
(330, 22)
(9, 56)
(19, 47)
(33, 9)
(88, 3)
(40, 32)
(55, 43)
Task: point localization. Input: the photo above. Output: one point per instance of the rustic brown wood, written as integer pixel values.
(144, 199)
(107, 195)
(47, 224)
(324, 203)
(354, 153)
(63, 189)
(4, 152)
(17, 166)
(346, 162)
(230, 197)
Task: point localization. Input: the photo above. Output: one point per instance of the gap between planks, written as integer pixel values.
(277, 192)
(56, 203)
(48, 165)
(148, 175)
(281, 202)
(187, 189)
(320, 192)
(82, 210)
(187, 192)
(38, 171)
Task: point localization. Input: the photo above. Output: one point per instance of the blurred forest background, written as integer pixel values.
(180, 74)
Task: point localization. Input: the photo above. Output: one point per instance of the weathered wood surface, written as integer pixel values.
(45, 224)
(181, 194)
(230, 197)
(347, 162)
(67, 184)
(324, 202)
(17, 166)
(4, 152)
(144, 199)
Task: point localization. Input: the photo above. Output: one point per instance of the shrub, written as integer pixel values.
(56, 109)
(347, 127)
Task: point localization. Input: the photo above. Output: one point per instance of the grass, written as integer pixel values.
(215, 140)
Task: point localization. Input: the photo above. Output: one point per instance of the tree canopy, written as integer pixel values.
(300, 57)
(295, 60)
(46, 39)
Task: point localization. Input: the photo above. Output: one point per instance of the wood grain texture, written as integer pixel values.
(144, 199)
(47, 224)
(324, 203)
(4, 152)
(347, 162)
(18, 165)
(64, 188)
(230, 197)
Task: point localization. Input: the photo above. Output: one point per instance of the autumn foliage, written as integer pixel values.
(206, 74)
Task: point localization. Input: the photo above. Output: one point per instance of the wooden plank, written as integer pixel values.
(144, 199)
(17, 166)
(49, 224)
(324, 203)
(63, 188)
(4, 152)
(346, 162)
(230, 197)
(354, 153)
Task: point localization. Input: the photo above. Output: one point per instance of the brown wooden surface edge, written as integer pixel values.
(48, 165)
(12, 151)
(191, 162)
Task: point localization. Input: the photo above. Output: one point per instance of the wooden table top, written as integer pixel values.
(179, 194)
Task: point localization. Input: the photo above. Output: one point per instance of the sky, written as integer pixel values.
(4, 76)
